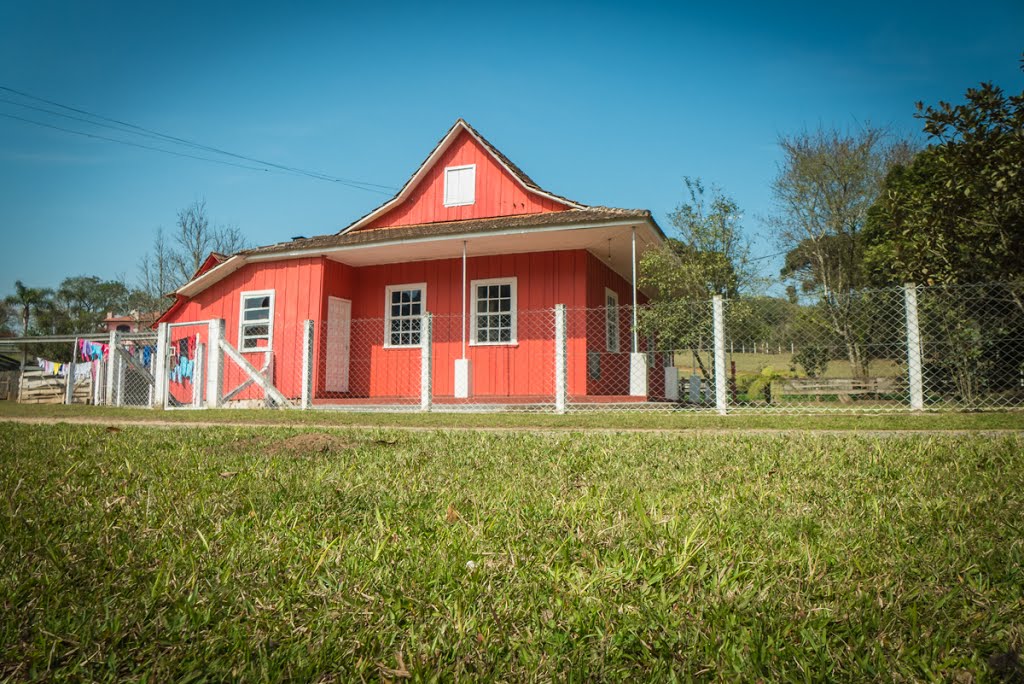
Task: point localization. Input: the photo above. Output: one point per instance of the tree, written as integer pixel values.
(157, 273)
(954, 216)
(80, 304)
(169, 266)
(955, 213)
(6, 313)
(710, 256)
(26, 301)
(824, 188)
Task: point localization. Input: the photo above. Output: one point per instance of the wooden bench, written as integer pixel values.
(843, 388)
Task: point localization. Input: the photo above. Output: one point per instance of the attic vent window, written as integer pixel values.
(459, 185)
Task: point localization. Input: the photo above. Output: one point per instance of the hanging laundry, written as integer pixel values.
(93, 351)
(83, 371)
(184, 349)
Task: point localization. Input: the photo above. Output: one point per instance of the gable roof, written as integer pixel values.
(460, 125)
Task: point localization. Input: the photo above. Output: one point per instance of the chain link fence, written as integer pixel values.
(880, 350)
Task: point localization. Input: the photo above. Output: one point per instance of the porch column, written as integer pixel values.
(637, 361)
(462, 365)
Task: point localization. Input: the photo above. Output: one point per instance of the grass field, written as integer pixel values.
(271, 553)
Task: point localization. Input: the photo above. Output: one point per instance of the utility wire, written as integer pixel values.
(126, 142)
(146, 132)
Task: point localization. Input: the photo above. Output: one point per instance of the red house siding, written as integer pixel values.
(525, 369)
(498, 193)
(297, 286)
(302, 287)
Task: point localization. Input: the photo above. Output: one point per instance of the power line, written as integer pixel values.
(146, 132)
(126, 142)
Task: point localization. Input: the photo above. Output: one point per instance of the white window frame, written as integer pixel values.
(513, 311)
(242, 322)
(472, 198)
(612, 324)
(422, 287)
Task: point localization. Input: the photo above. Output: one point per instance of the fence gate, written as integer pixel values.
(185, 365)
(130, 365)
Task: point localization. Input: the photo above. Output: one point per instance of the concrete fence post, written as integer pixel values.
(307, 365)
(721, 390)
(69, 386)
(426, 376)
(560, 365)
(215, 364)
(160, 366)
(198, 376)
(112, 369)
(915, 375)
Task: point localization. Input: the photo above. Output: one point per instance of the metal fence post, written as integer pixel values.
(160, 366)
(913, 348)
(426, 343)
(307, 364)
(112, 368)
(721, 394)
(560, 384)
(215, 365)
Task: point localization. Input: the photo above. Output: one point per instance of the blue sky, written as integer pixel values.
(606, 103)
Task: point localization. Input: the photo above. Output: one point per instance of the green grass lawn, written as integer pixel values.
(272, 553)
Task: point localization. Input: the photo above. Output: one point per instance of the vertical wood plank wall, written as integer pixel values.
(302, 287)
(497, 192)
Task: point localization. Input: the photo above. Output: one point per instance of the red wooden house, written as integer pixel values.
(472, 240)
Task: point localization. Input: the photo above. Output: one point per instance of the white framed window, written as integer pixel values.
(404, 305)
(256, 321)
(459, 185)
(493, 319)
(611, 320)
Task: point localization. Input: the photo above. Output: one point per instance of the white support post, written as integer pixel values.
(426, 346)
(122, 368)
(112, 368)
(721, 393)
(914, 349)
(160, 366)
(197, 375)
(215, 364)
(560, 366)
(99, 374)
(636, 333)
(69, 385)
(671, 383)
(307, 365)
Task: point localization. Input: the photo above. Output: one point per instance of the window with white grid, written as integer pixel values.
(403, 307)
(494, 311)
(256, 323)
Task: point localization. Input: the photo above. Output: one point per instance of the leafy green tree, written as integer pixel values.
(814, 359)
(80, 304)
(710, 256)
(955, 214)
